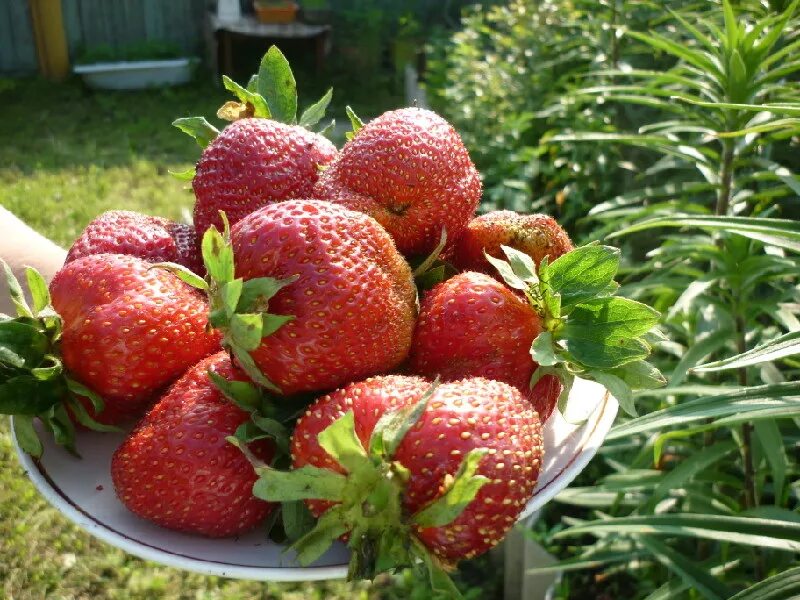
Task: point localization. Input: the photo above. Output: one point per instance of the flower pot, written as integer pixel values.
(285, 13)
(135, 75)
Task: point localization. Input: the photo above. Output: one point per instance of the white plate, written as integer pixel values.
(81, 489)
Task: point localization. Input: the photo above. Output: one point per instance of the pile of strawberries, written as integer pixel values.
(348, 288)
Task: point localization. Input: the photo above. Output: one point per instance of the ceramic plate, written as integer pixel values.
(81, 489)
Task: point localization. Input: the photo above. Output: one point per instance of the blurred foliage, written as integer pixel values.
(674, 133)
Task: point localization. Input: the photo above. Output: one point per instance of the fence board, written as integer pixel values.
(17, 47)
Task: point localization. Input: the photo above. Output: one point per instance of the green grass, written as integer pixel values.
(66, 155)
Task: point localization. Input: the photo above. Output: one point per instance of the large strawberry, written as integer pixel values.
(265, 155)
(535, 235)
(320, 296)
(408, 471)
(153, 239)
(410, 171)
(254, 162)
(474, 326)
(177, 469)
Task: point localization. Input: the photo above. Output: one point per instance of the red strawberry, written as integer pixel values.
(254, 162)
(473, 326)
(391, 455)
(410, 171)
(128, 329)
(153, 239)
(176, 468)
(353, 301)
(535, 235)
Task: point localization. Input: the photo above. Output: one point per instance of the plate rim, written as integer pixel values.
(608, 407)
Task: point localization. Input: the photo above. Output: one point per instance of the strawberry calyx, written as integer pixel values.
(33, 381)
(270, 94)
(237, 308)
(368, 498)
(587, 330)
(432, 270)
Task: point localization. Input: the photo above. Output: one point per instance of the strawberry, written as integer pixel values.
(176, 468)
(408, 470)
(410, 171)
(153, 239)
(254, 162)
(535, 235)
(473, 326)
(321, 296)
(128, 329)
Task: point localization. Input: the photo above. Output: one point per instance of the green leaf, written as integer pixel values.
(769, 436)
(542, 349)
(328, 129)
(783, 585)
(305, 483)
(217, 256)
(297, 519)
(393, 426)
(521, 264)
(786, 345)
(27, 395)
(766, 533)
(20, 341)
(583, 273)
(466, 485)
(85, 419)
(247, 96)
(640, 375)
(618, 388)
(243, 394)
(201, 130)
(26, 435)
(186, 175)
(274, 430)
(245, 331)
(507, 273)
(355, 123)
(340, 441)
(692, 574)
(314, 113)
(248, 365)
(38, 288)
(98, 404)
(328, 529)
(257, 291)
(277, 85)
(184, 274)
(15, 291)
(703, 345)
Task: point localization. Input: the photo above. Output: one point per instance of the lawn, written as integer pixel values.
(67, 155)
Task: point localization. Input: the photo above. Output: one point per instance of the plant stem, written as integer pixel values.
(726, 178)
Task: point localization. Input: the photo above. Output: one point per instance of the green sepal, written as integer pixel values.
(248, 365)
(57, 420)
(38, 289)
(618, 388)
(184, 274)
(327, 131)
(297, 520)
(24, 394)
(542, 350)
(355, 122)
(315, 113)
(304, 483)
(316, 542)
(22, 344)
(218, 254)
(431, 259)
(186, 175)
(277, 86)
(441, 583)
(256, 292)
(84, 418)
(339, 440)
(15, 291)
(201, 130)
(26, 435)
(465, 486)
(77, 388)
(243, 394)
(246, 96)
(393, 426)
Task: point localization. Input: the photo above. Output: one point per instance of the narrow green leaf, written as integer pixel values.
(583, 273)
(38, 288)
(769, 437)
(184, 274)
(692, 574)
(201, 130)
(305, 483)
(340, 441)
(98, 404)
(466, 485)
(26, 435)
(781, 586)
(778, 109)
(703, 346)
(618, 388)
(15, 291)
(84, 418)
(277, 85)
(314, 113)
(688, 468)
(765, 533)
(260, 108)
(781, 347)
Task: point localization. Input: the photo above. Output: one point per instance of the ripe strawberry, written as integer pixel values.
(153, 239)
(176, 468)
(410, 171)
(473, 326)
(407, 471)
(254, 162)
(535, 235)
(128, 329)
(348, 314)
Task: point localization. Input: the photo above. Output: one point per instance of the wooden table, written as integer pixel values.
(221, 34)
